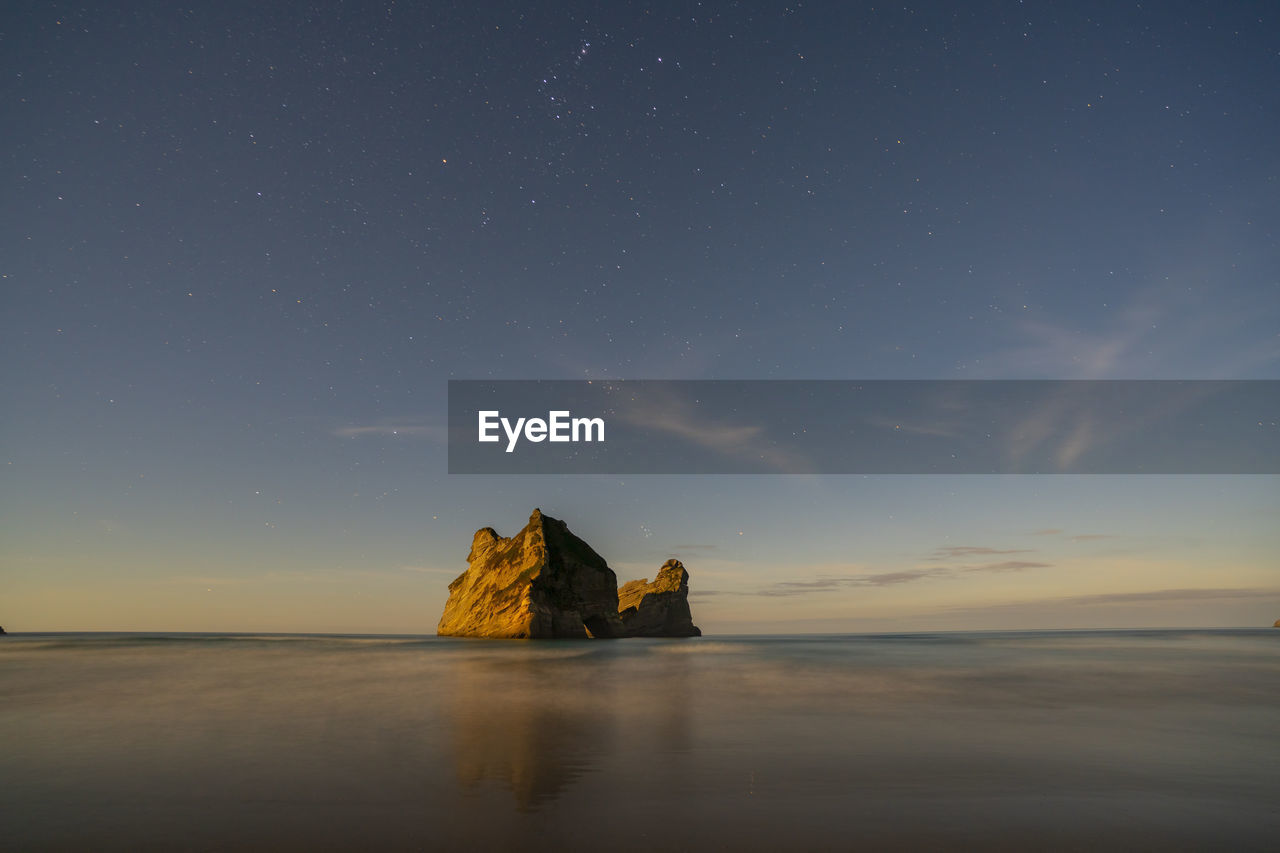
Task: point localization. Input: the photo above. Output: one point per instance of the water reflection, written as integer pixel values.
(512, 727)
(536, 723)
(998, 742)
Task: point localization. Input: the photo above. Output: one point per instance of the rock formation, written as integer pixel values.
(661, 608)
(546, 583)
(542, 583)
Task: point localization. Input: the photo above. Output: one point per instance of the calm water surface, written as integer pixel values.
(1118, 740)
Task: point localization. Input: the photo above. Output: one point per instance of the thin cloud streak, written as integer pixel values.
(953, 552)
(833, 583)
(1154, 596)
(1008, 566)
(881, 579)
(1162, 595)
(939, 430)
(394, 429)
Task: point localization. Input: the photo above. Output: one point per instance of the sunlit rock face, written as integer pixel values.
(542, 583)
(658, 609)
(546, 583)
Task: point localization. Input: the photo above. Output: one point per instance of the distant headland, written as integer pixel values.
(546, 583)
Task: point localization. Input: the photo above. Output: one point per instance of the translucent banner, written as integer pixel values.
(874, 427)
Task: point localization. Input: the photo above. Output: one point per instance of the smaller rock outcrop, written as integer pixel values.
(658, 609)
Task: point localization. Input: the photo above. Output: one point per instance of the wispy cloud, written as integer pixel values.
(395, 429)
(1008, 566)
(1079, 423)
(957, 552)
(964, 553)
(1063, 424)
(1164, 329)
(664, 411)
(836, 582)
(828, 584)
(939, 429)
(1048, 531)
(1152, 597)
(1162, 595)
(1121, 344)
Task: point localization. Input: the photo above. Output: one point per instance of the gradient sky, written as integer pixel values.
(244, 246)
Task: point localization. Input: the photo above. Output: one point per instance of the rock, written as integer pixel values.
(546, 583)
(661, 608)
(542, 583)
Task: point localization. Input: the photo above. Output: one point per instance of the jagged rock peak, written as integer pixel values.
(544, 582)
(672, 575)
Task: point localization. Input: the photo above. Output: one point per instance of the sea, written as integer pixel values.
(1124, 740)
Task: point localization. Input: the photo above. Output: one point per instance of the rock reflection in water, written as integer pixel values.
(528, 723)
(537, 722)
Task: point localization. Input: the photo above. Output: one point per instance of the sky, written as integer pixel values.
(244, 246)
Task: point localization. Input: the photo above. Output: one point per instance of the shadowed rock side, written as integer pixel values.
(542, 583)
(658, 609)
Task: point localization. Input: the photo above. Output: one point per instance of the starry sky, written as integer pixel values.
(243, 247)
